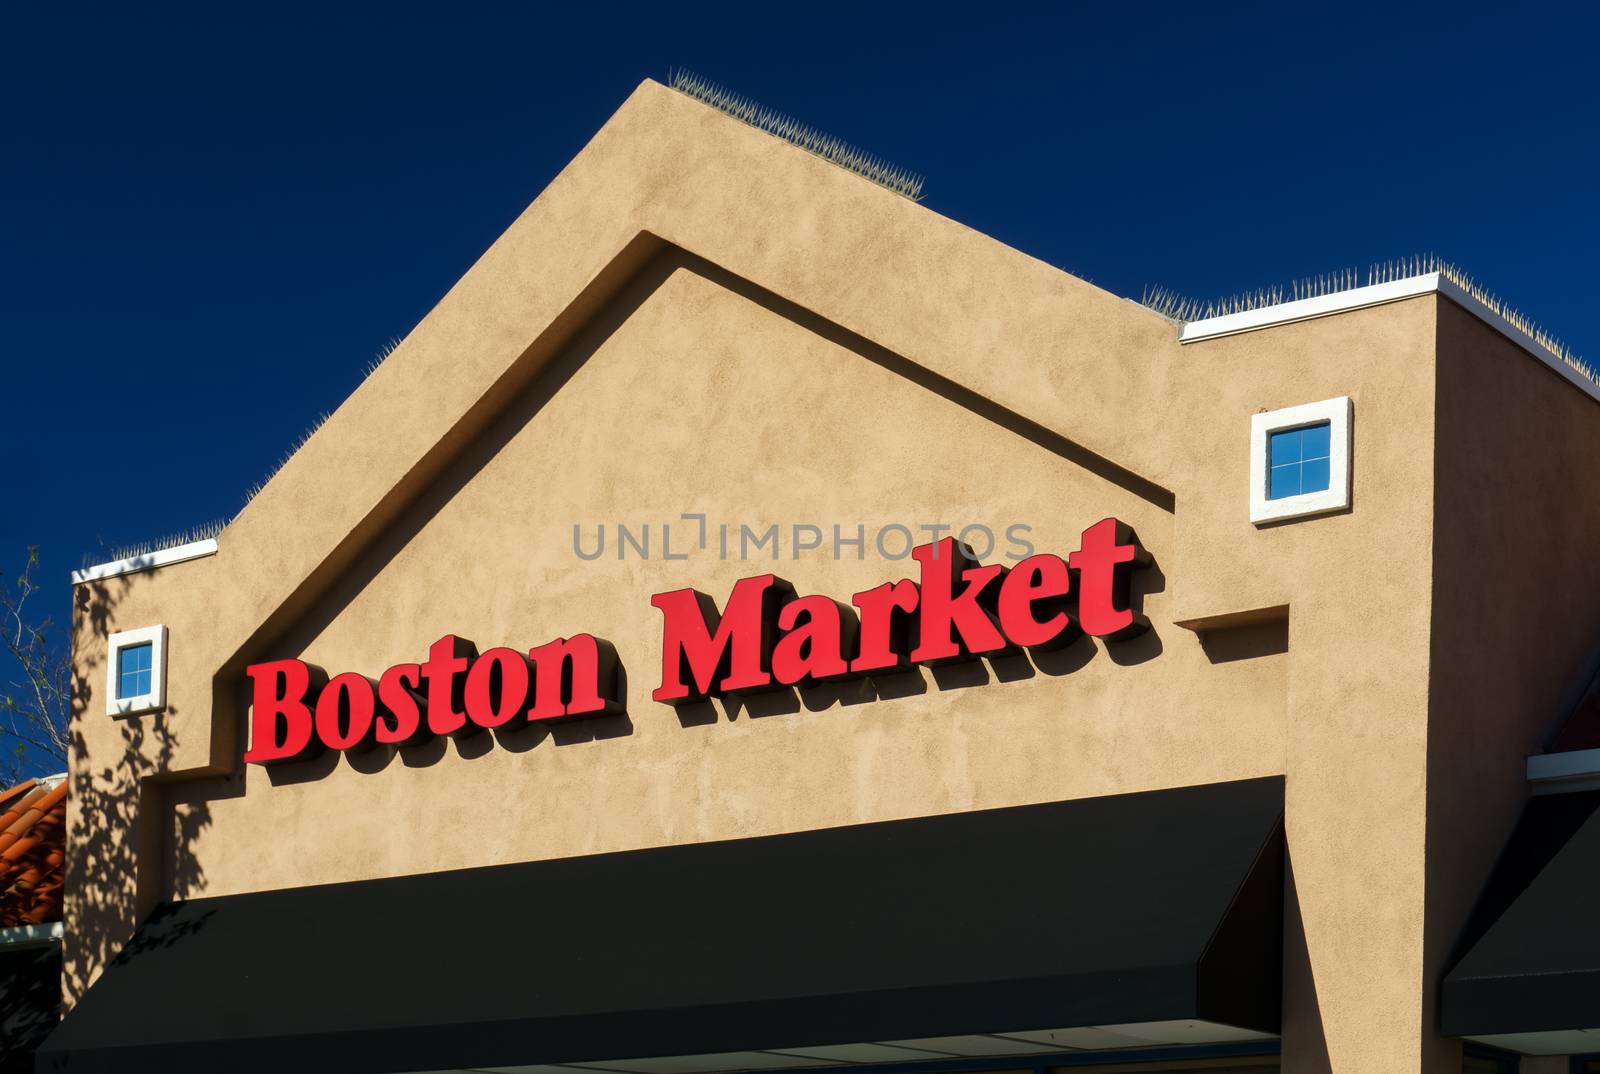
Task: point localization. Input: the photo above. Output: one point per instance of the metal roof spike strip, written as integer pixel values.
(141, 549)
(834, 150)
(1182, 311)
(378, 359)
(299, 442)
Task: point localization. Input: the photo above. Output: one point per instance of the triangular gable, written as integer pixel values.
(1045, 348)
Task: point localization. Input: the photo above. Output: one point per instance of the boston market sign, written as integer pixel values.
(764, 637)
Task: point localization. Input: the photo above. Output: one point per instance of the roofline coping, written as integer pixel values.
(1379, 294)
(149, 561)
(1230, 324)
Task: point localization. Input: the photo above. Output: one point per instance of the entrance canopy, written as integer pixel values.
(1124, 920)
(1531, 979)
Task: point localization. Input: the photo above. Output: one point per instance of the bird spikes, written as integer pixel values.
(140, 549)
(1329, 283)
(1171, 305)
(1181, 310)
(300, 441)
(1496, 305)
(867, 165)
(378, 359)
(211, 529)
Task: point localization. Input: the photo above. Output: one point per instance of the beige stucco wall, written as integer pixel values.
(1357, 589)
(826, 353)
(702, 399)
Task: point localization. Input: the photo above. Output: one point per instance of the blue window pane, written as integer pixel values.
(133, 670)
(1299, 461)
(1314, 475)
(1284, 481)
(1314, 442)
(1285, 446)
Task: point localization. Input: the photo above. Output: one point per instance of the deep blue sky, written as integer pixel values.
(212, 217)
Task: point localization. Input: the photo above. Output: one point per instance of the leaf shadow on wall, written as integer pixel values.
(129, 847)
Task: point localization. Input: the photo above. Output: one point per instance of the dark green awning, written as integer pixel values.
(30, 1001)
(1530, 978)
(1104, 911)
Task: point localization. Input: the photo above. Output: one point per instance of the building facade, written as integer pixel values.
(1225, 762)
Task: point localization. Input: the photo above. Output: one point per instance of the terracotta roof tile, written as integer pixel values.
(33, 830)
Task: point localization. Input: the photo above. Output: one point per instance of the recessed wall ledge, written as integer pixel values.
(149, 561)
(1233, 620)
(1557, 773)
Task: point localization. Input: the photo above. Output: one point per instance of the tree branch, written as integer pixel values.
(38, 724)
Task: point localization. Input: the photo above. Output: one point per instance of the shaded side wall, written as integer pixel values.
(1516, 609)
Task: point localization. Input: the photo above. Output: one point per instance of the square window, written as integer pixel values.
(1300, 461)
(136, 671)
(133, 670)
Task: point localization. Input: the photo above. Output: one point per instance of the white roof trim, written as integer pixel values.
(1517, 336)
(30, 935)
(148, 561)
(1575, 770)
(1306, 309)
(1379, 294)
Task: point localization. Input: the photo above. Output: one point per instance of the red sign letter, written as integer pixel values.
(447, 660)
(943, 564)
(399, 720)
(817, 641)
(1040, 581)
(575, 676)
(280, 719)
(884, 611)
(735, 657)
(344, 713)
(1102, 560)
(487, 706)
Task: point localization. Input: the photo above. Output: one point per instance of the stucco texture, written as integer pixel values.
(704, 400)
(696, 317)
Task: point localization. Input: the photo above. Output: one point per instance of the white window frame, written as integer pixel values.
(156, 698)
(1337, 413)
